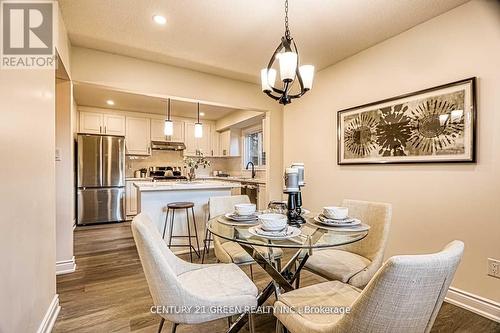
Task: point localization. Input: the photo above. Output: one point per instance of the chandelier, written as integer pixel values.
(288, 58)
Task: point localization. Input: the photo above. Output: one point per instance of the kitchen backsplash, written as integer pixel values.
(231, 165)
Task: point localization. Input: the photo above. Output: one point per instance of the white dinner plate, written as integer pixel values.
(354, 228)
(289, 233)
(236, 217)
(341, 223)
(227, 221)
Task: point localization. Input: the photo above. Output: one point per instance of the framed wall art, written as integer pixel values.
(427, 126)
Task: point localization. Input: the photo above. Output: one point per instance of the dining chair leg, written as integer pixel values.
(162, 321)
(206, 247)
(279, 326)
(251, 272)
(297, 281)
(174, 327)
(251, 322)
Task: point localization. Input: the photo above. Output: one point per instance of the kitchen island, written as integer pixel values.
(153, 197)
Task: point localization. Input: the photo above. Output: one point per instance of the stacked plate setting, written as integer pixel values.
(274, 226)
(336, 217)
(243, 213)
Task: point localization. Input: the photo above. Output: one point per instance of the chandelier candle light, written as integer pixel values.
(288, 59)
(198, 127)
(169, 125)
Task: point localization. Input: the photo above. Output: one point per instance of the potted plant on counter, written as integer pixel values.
(193, 163)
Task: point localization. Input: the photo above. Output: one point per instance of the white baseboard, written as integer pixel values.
(50, 316)
(66, 266)
(477, 304)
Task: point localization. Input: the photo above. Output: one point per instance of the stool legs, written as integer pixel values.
(166, 221)
(171, 228)
(170, 218)
(189, 236)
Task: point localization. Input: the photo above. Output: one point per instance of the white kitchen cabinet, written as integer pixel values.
(215, 144)
(102, 123)
(114, 124)
(193, 145)
(138, 136)
(158, 130)
(229, 143)
(130, 198)
(91, 122)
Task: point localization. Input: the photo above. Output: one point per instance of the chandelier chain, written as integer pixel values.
(287, 30)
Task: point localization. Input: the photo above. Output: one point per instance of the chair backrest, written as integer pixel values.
(405, 294)
(160, 265)
(221, 205)
(378, 216)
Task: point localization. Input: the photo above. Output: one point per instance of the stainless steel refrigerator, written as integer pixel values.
(100, 179)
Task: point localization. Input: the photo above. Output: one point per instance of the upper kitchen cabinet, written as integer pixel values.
(193, 145)
(114, 124)
(138, 136)
(102, 123)
(157, 131)
(229, 143)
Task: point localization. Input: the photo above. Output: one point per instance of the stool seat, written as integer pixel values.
(180, 205)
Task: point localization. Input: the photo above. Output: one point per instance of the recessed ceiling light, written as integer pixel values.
(202, 114)
(159, 19)
(110, 102)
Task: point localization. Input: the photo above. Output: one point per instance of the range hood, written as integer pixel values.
(167, 145)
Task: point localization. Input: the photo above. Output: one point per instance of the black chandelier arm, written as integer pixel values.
(270, 94)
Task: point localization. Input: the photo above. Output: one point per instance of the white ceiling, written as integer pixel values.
(96, 96)
(235, 38)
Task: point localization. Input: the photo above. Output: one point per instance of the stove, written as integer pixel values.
(161, 173)
(165, 178)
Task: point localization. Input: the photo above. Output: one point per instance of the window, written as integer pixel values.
(253, 147)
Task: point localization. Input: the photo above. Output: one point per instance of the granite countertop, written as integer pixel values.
(142, 178)
(146, 186)
(236, 179)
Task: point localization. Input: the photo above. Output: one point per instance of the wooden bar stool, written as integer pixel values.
(176, 206)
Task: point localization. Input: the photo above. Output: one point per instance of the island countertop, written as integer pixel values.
(183, 185)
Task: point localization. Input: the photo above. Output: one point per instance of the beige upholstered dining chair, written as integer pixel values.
(356, 263)
(231, 252)
(176, 283)
(404, 296)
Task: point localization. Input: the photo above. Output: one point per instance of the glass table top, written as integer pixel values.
(309, 236)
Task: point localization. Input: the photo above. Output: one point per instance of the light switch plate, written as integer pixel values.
(494, 267)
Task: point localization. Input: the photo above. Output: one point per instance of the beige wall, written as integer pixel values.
(151, 78)
(65, 187)
(433, 203)
(27, 237)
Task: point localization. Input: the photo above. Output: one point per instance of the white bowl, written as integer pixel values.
(336, 213)
(244, 209)
(273, 221)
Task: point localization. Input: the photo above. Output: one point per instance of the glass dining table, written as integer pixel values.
(309, 237)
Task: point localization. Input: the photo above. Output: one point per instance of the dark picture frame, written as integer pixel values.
(434, 125)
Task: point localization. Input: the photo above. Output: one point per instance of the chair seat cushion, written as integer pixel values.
(336, 264)
(327, 296)
(239, 256)
(218, 282)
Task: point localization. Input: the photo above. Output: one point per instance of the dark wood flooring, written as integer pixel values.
(108, 291)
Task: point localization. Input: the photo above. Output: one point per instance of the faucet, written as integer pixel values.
(253, 168)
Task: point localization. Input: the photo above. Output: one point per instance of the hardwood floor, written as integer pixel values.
(108, 291)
